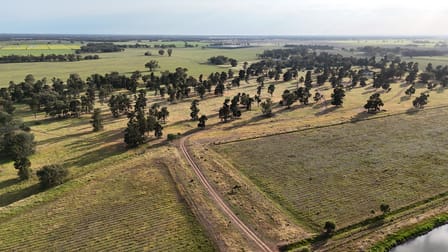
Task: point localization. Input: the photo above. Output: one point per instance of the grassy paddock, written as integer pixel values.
(131, 206)
(343, 173)
(194, 59)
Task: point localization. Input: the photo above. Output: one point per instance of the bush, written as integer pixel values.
(172, 137)
(52, 175)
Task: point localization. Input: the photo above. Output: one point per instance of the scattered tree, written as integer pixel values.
(194, 110)
(23, 165)
(421, 101)
(266, 107)
(329, 227)
(374, 103)
(202, 121)
(52, 175)
(337, 97)
(97, 120)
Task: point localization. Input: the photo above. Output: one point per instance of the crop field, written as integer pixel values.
(194, 59)
(343, 173)
(38, 49)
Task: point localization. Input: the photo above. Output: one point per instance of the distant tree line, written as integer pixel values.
(407, 52)
(99, 48)
(46, 58)
(312, 47)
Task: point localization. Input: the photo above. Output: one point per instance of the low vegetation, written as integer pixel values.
(317, 176)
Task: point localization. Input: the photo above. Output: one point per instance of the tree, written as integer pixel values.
(233, 62)
(132, 134)
(329, 227)
(410, 91)
(202, 121)
(288, 98)
(266, 107)
(170, 52)
(337, 96)
(18, 144)
(271, 89)
(308, 80)
(161, 52)
(23, 165)
(97, 120)
(163, 114)
(374, 103)
(317, 97)
(385, 209)
(152, 65)
(260, 81)
(52, 175)
(194, 110)
(158, 130)
(421, 101)
(224, 111)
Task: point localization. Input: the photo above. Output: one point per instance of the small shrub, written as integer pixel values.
(52, 175)
(172, 137)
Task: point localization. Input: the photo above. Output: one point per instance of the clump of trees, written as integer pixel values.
(99, 48)
(141, 123)
(222, 60)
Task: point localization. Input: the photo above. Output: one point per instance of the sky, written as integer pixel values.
(226, 17)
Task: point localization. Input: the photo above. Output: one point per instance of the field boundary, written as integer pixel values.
(352, 120)
(220, 202)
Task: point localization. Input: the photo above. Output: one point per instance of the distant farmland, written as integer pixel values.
(343, 173)
(38, 49)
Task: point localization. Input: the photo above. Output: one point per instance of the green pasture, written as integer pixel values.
(194, 59)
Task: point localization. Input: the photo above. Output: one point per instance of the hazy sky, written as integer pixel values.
(224, 17)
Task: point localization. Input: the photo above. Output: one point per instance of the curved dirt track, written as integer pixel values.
(220, 202)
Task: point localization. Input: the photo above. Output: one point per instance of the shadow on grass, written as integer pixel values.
(326, 111)
(11, 197)
(97, 155)
(9, 182)
(63, 137)
(405, 98)
(412, 111)
(362, 116)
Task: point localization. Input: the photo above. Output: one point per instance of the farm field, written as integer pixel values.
(125, 199)
(131, 206)
(289, 188)
(127, 62)
(343, 173)
(37, 49)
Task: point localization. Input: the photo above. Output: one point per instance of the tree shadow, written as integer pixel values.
(440, 90)
(97, 155)
(326, 111)
(412, 111)
(321, 105)
(9, 182)
(405, 98)
(362, 116)
(404, 84)
(369, 91)
(11, 197)
(251, 120)
(61, 138)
